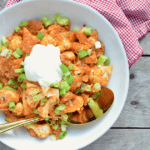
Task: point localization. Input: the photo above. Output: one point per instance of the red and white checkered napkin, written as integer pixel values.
(130, 18)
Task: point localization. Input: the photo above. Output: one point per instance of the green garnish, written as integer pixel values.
(65, 85)
(17, 29)
(97, 85)
(95, 108)
(23, 86)
(36, 98)
(87, 31)
(40, 35)
(97, 95)
(103, 60)
(82, 54)
(60, 107)
(9, 88)
(62, 92)
(23, 23)
(20, 70)
(64, 68)
(4, 41)
(55, 127)
(13, 83)
(62, 134)
(12, 106)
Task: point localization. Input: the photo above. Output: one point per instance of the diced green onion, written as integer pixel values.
(23, 86)
(55, 84)
(9, 54)
(46, 119)
(12, 106)
(82, 54)
(87, 31)
(23, 23)
(56, 111)
(62, 134)
(103, 60)
(36, 92)
(55, 17)
(27, 55)
(89, 51)
(62, 92)
(22, 63)
(62, 20)
(69, 79)
(44, 19)
(19, 51)
(55, 127)
(5, 52)
(61, 121)
(22, 77)
(36, 98)
(97, 95)
(88, 88)
(95, 108)
(45, 99)
(29, 125)
(60, 107)
(70, 66)
(77, 92)
(63, 127)
(13, 83)
(64, 116)
(64, 68)
(65, 85)
(49, 122)
(1, 85)
(97, 85)
(83, 87)
(1, 47)
(40, 35)
(53, 137)
(35, 111)
(20, 70)
(6, 120)
(9, 88)
(48, 23)
(67, 74)
(17, 29)
(4, 41)
(16, 55)
(75, 29)
(107, 61)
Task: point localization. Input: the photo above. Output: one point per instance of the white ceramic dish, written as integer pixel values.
(79, 14)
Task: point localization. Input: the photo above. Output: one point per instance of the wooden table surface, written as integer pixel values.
(132, 129)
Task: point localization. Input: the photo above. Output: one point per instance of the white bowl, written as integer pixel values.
(79, 14)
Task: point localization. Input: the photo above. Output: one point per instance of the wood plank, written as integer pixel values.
(137, 114)
(122, 140)
(2, 3)
(145, 44)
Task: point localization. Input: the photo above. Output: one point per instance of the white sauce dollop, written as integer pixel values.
(43, 64)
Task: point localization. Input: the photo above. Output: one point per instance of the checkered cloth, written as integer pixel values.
(130, 18)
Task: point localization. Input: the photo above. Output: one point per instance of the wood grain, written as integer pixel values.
(122, 140)
(136, 112)
(145, 44)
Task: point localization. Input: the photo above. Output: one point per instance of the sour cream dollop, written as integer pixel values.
(43, 64)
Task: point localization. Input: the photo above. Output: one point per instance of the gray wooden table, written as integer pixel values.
(132, 129)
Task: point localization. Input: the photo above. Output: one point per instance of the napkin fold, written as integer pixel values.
(130, 18)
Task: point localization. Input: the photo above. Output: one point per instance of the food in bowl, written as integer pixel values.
(48, 70)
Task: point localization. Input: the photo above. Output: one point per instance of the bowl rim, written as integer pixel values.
(122, 49)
